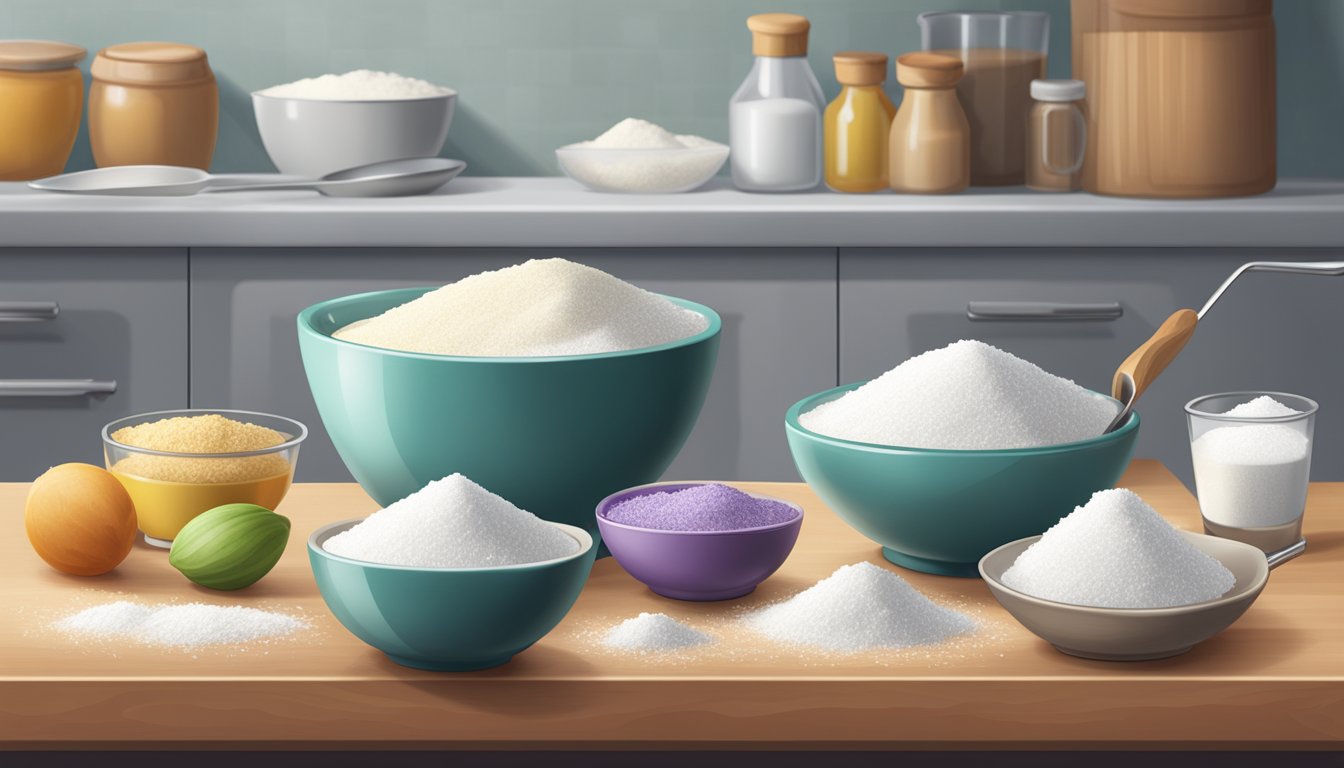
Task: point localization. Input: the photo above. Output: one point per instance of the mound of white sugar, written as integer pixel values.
(1253, 475)
(652, 633)
(541, 308)
(1117, 552)
(967, 396)
(1262, 407)
(859, 607)
(633, 133)
(185, 626)
(359, 85)
(452, 523)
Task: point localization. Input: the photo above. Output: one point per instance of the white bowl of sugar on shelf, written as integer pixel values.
(319, 125)
(640, 157)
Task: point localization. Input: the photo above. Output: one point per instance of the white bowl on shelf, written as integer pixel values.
(642, 171)
(313, 137)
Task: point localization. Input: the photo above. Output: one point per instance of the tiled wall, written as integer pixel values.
(536, 74)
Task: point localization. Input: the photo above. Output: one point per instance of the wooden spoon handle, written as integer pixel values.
(1154, 355)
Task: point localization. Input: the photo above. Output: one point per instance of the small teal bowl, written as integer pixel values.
(553, 435)
(449, 619)
(940, 511)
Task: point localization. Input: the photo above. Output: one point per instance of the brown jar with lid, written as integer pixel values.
(930, 137)
(153, 104)
(41, 100)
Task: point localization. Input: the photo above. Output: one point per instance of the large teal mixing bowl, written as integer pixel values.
(553, 435)
(940, 511)
(449, 619)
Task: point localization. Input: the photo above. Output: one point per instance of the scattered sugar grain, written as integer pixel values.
(709, 507)
(358, 85)
(654, 633)
(541, 308)
(452, 523)
(190, 625)
(860, 607)
(966, 396)
(1115, 551)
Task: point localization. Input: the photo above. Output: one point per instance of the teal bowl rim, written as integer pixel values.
(603, 507)
(809, 402)
(585, 540)
(1234, 595)
(306, 325)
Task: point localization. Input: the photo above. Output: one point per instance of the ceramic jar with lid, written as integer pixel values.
(41, 101)
(153, 104)
(930, 136)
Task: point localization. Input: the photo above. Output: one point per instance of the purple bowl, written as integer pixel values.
(697, 565)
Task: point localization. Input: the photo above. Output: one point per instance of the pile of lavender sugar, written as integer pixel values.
(711, 507)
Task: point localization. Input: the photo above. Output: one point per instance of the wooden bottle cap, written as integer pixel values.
(38, 55)
(778, 34)
(860, 67)
(151, 64)
(928, 70)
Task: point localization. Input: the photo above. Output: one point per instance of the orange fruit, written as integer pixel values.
(80, 519)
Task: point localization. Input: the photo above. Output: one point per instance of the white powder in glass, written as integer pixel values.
(652, 633)
(184, 626)
(1117, 552)
(541, 308)
(651, 171)
(452, 523)
(859, 607)
(1253, 475)
(359, 85)
(967, 396)
(1262, 407)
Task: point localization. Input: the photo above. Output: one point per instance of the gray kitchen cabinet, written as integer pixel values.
(1270, 332)
(122, 317)
(779, 333)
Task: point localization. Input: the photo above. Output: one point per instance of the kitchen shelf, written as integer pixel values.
(555, 212)
(1274, 679)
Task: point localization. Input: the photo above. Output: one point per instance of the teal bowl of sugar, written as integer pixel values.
(554, 435)
(940, 511)
(449, 619)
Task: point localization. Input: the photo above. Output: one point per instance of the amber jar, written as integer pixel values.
(930, 143)
(153, 104)
(41, 100)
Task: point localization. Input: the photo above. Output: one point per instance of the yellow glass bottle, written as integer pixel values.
(857, 124)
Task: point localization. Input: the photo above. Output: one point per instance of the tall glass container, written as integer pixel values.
(774, 119)
(858, 124)
(1002, 52)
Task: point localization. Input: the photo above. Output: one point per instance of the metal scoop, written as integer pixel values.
(1144, 364)
(391, 178)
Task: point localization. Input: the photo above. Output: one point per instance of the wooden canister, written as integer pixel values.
(1181, 96)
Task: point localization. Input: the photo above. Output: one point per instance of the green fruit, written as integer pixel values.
(230, 547)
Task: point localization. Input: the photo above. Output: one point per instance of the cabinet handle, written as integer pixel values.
(1043, 310)
(56, 387)
(28, 311)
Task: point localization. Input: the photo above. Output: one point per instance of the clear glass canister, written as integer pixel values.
(153, 104)
(41, 101)
(1003, 52)
(774, 119)
(930, 142)
(858, 123)
(1056, 136)
(1252, 459)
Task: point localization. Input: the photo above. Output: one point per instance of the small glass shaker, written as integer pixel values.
(1056, 136)
(1252, 472)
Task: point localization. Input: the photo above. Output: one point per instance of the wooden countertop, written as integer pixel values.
(1275, 679)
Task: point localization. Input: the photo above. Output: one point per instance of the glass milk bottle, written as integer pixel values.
(930, 137)
(857, 124)
(774, 119)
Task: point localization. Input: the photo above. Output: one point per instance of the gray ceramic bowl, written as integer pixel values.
(310, 137)
(1131, 634)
